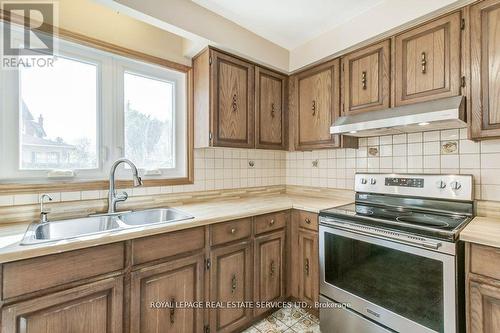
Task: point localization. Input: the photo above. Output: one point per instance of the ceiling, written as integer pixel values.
(288, 23)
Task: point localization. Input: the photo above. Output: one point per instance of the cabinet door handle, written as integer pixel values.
(424, 63)
(273, 111)
(273, 268)
(234, 104)
(314, 108)
(363, 79)
(172, 310)
(307, 220)
(271, 223)
(232, 231)
(233, 284)
(306, 266)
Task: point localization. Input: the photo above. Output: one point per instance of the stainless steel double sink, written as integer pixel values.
(92, 225)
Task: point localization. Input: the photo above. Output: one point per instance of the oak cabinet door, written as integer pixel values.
(428, 61)
(485, 69)
(270, 103)
(308, 266)
(177, 281)
(231, 282)
(233, 101)
(366, 79)
(484, 308)
(317, 106)
(90, 308)
(269, 271)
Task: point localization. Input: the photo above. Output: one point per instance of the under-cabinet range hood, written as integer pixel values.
(445, 113)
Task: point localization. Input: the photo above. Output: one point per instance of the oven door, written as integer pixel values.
(403, 287)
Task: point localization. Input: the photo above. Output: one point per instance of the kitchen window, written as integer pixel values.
(72, 120)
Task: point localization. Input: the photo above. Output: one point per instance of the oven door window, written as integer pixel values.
(404, 283)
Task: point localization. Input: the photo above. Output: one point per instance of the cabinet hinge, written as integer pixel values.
(210, 60)
(208, 263)
(206, 329)
(210, 136)
(342, 106)
(463, 82)
(342, 67)
(462, 24)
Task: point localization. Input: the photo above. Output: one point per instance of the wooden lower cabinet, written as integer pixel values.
(269, 280)
(177, 281)
(231, 281)
(90, 308)
(484, 307)
(308, 266)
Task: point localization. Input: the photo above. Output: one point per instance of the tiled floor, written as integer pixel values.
(289, 320)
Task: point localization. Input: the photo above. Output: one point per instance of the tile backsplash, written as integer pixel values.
(214, 169)
(226, 168)
(440, 152)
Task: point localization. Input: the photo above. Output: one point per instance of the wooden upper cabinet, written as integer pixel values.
(269, 280)
(485, 69)
(95, 307)
(316, 104)
(366, 79)
(270, 102)
(428, 61)
(233, 104)
(231, 281)
(176, 281)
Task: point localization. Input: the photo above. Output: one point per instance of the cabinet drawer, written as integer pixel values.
(230, 231)
(30, 275)
(167, 245)
(308, 220)
(269, 222)
(485, 260)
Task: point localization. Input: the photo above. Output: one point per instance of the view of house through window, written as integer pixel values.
(58, 116)
(149, 118)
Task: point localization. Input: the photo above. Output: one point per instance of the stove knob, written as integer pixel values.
(363, 181)
(455, 185)
(441, 184)
(373, 181)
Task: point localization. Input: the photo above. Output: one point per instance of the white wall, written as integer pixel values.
(196, 23)
(101, 22)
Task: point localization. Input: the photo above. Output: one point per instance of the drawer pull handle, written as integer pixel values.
(233, 284)
(306, 266)
(363, 80)
(235, 104)
(172, 310)
(273, 268)
(424, 63)
(307, 220)
(271, 223)
(233, 231)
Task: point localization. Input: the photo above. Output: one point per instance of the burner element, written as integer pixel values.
(423, 220)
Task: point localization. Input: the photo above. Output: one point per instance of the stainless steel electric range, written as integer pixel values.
(394, 256)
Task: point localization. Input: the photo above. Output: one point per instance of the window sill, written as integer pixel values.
(67, 186)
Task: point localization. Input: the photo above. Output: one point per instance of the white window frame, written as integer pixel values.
(110, 117)
(178, 79)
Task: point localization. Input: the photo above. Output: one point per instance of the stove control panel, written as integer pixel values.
(405, 182)
(452, 187)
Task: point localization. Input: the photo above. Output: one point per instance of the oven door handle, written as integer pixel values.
(371, 231)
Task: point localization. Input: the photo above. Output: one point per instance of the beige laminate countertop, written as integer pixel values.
(482, 230)
(205, 213)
